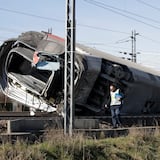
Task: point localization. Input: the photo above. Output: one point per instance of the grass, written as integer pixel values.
(56, 146)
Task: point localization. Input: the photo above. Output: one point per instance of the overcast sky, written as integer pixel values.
(103, 24)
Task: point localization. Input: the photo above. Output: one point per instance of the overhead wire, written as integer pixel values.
(84, 25)
(131, 13)
(111, 45)
(61, 21)
(150, 39)
(101, 28)
(58, 20)
(104, 6)
(149, 5)
(31, 15)
(124, 40)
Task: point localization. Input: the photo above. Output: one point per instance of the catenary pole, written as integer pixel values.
(132, 37)
(69, 67)
(134, 52)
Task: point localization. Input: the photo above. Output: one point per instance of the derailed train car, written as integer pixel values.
(94, 71)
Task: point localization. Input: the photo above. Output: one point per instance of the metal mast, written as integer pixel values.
(69, 67)
(134, 53)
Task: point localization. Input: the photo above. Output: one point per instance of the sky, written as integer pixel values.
(106, 25)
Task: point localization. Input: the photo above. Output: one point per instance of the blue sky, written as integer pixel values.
(102, 24)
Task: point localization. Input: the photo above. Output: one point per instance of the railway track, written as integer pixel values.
(25, 114)
(127, 120)
(146, 123)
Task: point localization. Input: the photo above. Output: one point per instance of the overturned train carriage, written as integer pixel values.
(94, 71)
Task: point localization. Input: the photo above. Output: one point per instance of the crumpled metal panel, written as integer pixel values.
(94, 72)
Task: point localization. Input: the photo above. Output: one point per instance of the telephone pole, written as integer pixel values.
(69, 67)
(134, 53)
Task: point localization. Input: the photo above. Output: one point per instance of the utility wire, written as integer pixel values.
(58, 20)
(119, 47)
(102, 5)
(101, 28)
(149, 5)
(61, 21)
(31, 15)
(131, 13)
(82, 25)
(150, 39)
(127, 39)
